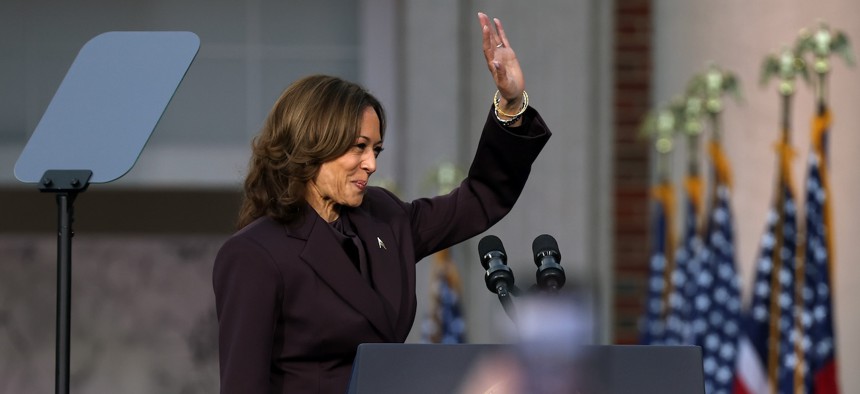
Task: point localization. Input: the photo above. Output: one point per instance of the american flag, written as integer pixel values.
(444, 322)
(687, 268)
(769, 325)
(716, 304)
(653, 327)
(819, 340)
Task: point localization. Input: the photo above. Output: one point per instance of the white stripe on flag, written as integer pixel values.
(750, 369)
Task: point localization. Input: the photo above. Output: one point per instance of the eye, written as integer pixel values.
(377, 151)
(360, 147)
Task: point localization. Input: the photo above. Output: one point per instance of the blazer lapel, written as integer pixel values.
(383, 255)
(327, 258)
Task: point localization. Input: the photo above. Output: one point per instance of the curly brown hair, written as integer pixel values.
(316, 119)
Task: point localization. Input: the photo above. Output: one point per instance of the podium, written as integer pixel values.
(611, 369)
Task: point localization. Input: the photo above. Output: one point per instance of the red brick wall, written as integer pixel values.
(632, 85)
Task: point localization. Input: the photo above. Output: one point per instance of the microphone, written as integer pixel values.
(549, 275)
(499, 277)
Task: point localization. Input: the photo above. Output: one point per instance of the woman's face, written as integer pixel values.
(343, 181)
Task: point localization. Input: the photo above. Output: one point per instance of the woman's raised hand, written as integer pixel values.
(503, 64)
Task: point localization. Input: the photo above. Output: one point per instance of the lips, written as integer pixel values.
(361, 185)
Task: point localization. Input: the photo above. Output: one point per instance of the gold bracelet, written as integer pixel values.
(497, 99)
(506, 122)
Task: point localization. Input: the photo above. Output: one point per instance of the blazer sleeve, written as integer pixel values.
(248, 291)
(496, 178)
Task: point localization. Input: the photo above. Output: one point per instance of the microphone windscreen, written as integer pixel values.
(488, 244)
(545, 243)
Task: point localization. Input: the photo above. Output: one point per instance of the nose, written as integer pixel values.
(368, 162)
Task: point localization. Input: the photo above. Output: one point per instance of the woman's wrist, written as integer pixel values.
(509, 112)
(511, 106)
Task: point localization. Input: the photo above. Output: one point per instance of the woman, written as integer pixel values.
(324, 262)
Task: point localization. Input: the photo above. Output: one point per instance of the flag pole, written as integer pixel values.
(720, 289)
(692, 127)
(711, 86)
(787, 66)
(821, 44)
(660, 125)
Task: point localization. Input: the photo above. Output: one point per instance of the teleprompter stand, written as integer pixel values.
(66, 184)
(93, 131)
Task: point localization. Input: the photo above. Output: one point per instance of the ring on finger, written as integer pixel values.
(500, 45)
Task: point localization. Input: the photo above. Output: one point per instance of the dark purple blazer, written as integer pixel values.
(292, 307)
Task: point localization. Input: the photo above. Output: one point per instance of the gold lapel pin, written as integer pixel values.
(381, 244)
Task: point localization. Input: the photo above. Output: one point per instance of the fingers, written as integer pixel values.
(489, 32)
(502, 36)
(488, 42)
(483, 19)
(501, 60)
(489, 49)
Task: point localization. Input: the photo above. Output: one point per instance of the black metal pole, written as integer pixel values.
(65, 203)
(66, 184)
